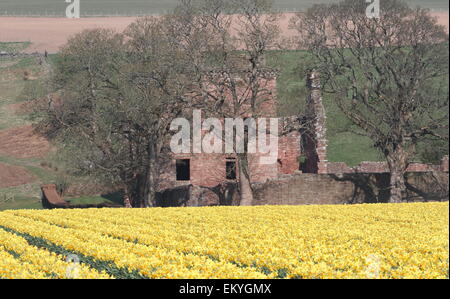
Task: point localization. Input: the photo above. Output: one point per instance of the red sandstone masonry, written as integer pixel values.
(382, 167)
(289, 152)
(338, 168)
(209, 170)
(372, 167)
(317, 110)
(303, 189)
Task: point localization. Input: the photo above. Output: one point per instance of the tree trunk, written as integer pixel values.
(145, 189)
(151, 196)
(397, 165)
(397, 187)
(245, 188)
(139, 188)
(150, 200)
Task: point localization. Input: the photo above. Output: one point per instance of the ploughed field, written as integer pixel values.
(360, 241)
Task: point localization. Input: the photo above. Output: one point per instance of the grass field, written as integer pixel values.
(320, 242)
(138, 7)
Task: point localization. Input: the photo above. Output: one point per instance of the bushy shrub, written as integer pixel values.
(62, 184)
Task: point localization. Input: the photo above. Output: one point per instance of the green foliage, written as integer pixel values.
(432, 150)
(291, 82)
(62, 184)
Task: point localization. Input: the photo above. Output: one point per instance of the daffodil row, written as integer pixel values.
(361, 241)
(149, 261)
(48, 263)
(390, 241)
(12, 268)
(127, 231)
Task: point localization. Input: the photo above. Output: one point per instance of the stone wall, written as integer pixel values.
(303, 189)
(321, 189)
(224, 194)
(313, 189)
(382, 167)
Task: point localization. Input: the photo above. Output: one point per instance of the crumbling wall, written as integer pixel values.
(315, 142)
(382, 167)
(345, 186)
(303, 189)
(428, 186)
(355, 188)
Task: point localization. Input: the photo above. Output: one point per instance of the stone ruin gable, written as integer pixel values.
(315, 142)
(209, 170)
(266, 104)
(290, 145)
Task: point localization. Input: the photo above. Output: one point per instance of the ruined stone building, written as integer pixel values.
(209, 170)
(301, 174)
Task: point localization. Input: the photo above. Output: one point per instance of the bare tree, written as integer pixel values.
(119, 92)
(160, 84)
(388, 75)
(226, 43)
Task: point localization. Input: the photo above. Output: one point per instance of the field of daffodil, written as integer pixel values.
(360, 241)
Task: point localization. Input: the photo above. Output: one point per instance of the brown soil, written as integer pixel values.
(24, 108)
(11, 176)
(52, 33)
(23, 143)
